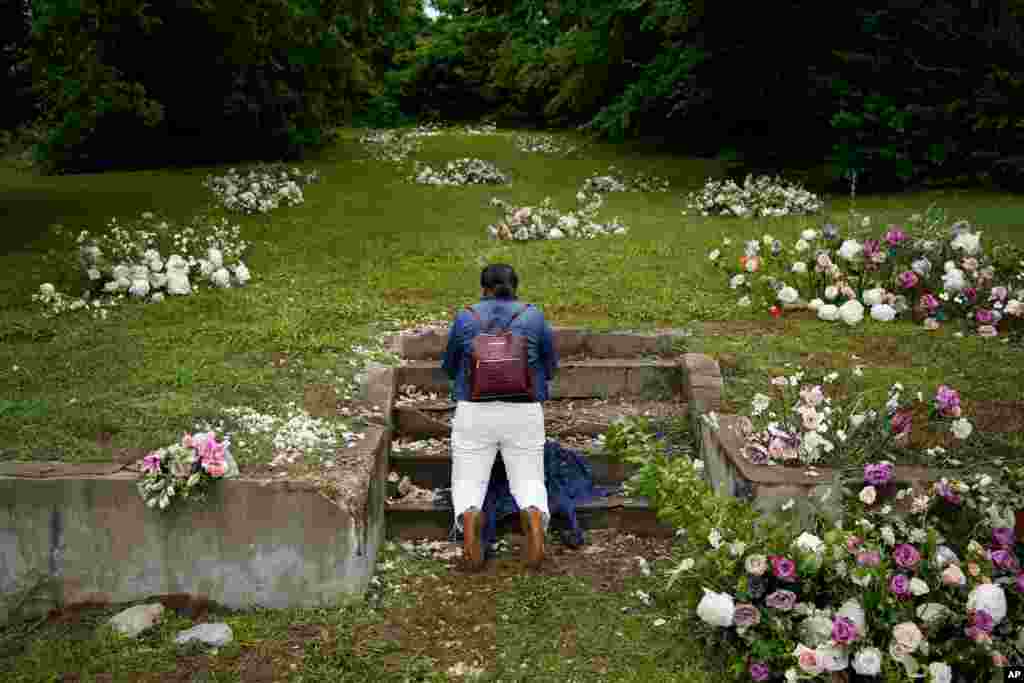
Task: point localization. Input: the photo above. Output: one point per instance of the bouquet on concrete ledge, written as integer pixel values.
(185, 471)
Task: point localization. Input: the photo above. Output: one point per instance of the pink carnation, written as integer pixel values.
(895, 236)
(948, 401)
(908, 279)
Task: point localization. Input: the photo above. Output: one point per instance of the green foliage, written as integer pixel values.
(271, 86)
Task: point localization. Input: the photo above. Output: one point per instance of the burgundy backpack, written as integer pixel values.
(498, 364)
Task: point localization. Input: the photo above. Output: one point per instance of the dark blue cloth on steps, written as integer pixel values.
(569, 479)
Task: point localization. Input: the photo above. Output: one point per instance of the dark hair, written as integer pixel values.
(501, 278)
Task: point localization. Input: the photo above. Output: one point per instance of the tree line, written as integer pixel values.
(899, 92)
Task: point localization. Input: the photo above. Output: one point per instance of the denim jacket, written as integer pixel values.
(543, 359)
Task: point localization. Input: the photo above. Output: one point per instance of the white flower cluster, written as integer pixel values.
(262, 190)
(430, 129)
(482, 129)
(392, 145)
(615, 181)
(127, 262)
(545, 222)
(542, 144)
(296, 435)
(57, 303)
(758, 197)
(466, 171)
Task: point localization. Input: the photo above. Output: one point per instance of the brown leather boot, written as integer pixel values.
(472, 553)
(533, 528)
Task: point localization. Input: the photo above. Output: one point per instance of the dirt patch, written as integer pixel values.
(1005, 417)
(606, 561)
(187, 668)
(451, 617)
(740, 328)
(72, 614)
(195, 607)
(408, 295)
(992, 417)
(881, 351)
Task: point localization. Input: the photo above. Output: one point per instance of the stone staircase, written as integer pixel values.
(601, 376)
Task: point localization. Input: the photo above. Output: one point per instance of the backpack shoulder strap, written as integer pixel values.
(518, 313)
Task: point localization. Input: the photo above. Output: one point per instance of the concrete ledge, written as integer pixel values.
(429, 343)
(768, 487)
(434, 471)
(599, 378)
(89, 537)
(702, 387)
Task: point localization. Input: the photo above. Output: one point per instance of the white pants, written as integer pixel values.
(479, 430)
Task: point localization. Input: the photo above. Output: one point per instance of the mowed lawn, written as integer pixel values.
(370, 250)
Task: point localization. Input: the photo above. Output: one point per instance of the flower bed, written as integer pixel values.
(933, 593)
(460, 172)
(615, 181)
(295, 437)
(262, 189)
(800, 425)
(392, 145)
(757, 197)
(523, 223)
(890, 275)
(910, 582)
(128, 261)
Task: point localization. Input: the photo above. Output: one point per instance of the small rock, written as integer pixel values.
(217, 635)
(134, 620)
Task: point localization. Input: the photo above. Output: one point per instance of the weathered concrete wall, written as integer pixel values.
(429, 344)
(253, 542)
(767, 488)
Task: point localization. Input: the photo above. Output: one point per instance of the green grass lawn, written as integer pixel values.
(367, 247)
(421, 622)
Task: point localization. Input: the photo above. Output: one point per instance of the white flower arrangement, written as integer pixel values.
(758, 197)
(482, 129)
(466, 171)
(542, 144)
(546, 222)
(296, 434)
(894, 275)
(393, 145)
(614, 181)
(127, 262)
(262, 190)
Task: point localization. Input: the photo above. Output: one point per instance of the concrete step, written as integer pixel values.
(417, 520)
(429, 343)
(596, 378)
(434, 470)
(562, 418)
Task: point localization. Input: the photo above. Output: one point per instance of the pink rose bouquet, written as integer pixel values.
(185, 471)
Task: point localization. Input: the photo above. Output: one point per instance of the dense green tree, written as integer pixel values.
(898, 92)
(15, 79)
(128, 83)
